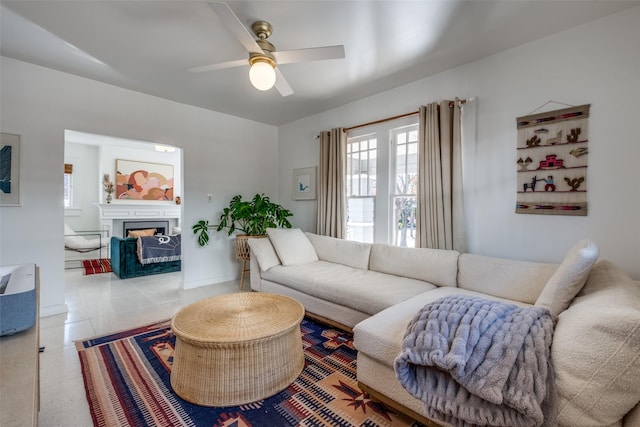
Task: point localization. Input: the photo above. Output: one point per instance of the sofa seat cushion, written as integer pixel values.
(504, 278)
(596, 350)
(362, 290)
(380, 336)
(437, 266)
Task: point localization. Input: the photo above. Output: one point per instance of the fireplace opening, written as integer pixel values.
(162, 227)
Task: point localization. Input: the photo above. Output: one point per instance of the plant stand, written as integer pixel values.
(243, 253)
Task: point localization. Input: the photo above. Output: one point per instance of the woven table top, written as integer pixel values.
(238, 317)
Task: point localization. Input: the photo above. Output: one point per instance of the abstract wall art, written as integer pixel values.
(137, 180)
(9, 169)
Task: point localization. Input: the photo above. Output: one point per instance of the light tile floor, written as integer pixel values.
(97, 305)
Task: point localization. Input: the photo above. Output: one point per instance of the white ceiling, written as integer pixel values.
(148, 46)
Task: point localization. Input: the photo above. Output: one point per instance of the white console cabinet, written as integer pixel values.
(20, 374)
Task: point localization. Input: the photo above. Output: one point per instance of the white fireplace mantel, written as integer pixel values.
(115, 213)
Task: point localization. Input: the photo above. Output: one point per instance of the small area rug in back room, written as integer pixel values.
(96, 266)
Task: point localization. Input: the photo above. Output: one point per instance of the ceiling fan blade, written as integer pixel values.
(282, 85)
(233, 23)
(219, 66)
(310, 54)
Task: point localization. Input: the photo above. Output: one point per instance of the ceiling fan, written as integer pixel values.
(263, 57)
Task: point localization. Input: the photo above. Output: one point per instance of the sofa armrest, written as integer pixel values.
(596, 350)
(632, 418)
(117, 255)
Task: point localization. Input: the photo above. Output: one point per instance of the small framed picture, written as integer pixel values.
(9, 170)
(304, 183)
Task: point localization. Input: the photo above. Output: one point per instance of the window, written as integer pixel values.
(68, 185)
(361, 187)
(404, 142)
(382, 168)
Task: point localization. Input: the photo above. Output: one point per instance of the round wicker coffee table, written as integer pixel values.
(236, 348)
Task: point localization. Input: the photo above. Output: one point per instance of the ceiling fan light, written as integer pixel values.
(262, 75)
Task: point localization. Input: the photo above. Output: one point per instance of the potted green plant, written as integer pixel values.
(249, 217)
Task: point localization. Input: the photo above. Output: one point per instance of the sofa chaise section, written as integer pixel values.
(378, 289)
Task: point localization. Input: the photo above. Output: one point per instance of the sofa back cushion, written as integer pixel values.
(264, 253)
(340, 251)
(142, 233)
(521, 281)
(292, 246)
(596, 350)
(569, 278)
(436, 266)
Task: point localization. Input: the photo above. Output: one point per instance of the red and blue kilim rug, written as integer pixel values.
(96, 266)
(126, 378)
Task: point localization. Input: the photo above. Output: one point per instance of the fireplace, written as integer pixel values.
(119, 218)
(162, 227)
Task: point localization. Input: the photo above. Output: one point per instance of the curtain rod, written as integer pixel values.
(388, 119)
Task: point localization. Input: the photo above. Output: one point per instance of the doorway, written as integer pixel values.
(90, 161)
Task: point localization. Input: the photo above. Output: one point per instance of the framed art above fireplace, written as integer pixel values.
(136, 180)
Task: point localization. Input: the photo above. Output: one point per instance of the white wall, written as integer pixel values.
(597, 64)
(224, 156)
(83, 214)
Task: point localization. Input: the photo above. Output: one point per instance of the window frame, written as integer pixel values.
(385, 178)
(393, 163)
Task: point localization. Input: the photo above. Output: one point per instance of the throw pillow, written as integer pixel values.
(596, 350)
(292, 246)
(71, 240)
(569, 278)
(142, 233)
(81, 244)
(263, 251)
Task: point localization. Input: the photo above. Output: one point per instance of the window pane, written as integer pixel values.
(404, 220)
(361, 167)
(360, 217)
(401, 159)
(67, 190)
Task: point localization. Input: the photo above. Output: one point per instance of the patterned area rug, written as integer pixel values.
(96, 266)
(126, 378)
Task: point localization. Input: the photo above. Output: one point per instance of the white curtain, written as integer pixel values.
(440, 197)
(331, 219)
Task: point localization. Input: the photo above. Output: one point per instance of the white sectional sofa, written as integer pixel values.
(377, 289)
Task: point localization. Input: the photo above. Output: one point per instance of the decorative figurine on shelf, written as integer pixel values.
(178, 200)
(108, 186)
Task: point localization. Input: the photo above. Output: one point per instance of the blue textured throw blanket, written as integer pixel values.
(476, 362)
(159, 248)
